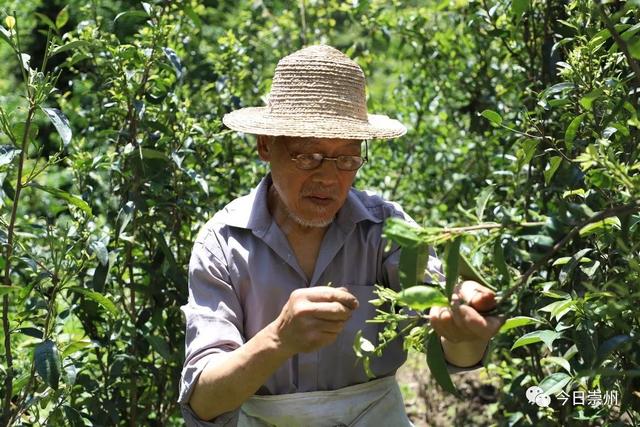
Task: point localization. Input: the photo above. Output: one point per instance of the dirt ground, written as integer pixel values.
(427, 405)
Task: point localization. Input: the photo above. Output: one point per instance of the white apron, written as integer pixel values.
(375, 403)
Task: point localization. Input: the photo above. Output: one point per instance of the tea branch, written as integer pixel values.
(614, 211)
(620, 42)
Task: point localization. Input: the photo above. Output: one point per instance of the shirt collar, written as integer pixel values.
(252, 212)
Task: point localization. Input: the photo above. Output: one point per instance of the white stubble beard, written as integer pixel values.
(319, 223)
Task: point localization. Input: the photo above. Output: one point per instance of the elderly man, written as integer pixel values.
(268, 339)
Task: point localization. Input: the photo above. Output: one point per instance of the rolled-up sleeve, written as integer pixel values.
(213, 317)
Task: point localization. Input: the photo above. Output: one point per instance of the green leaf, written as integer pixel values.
(69, 198)
(482, 201)
(572, 130)
(525, 154)
(160, 346)
(46, 20)
(467, 271)
(566, 270)
(62, 18)
(125, 215)
(587, 100)
(4, 289)
(558, 309)
(546, 336)
(559, 87)
(452, 257)
(560, 361)
(68, 46)
(554, 163)
(516, 322)
(565, 260)
(105, 302)
(634, 48)
(60, 122)
(126, 23)
(73, 416)
(422, 297)
(401, 232)
(492, 116)
(47, 363)
(99, 249)
(100, 277)
(630, 32)
(499, 262)
(413, 261)
(175, 61)
(610, 346)
(606, 225)
(554, 383)
(518, 7)
(438, 364)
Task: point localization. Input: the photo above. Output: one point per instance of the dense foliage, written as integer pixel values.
(523, 121)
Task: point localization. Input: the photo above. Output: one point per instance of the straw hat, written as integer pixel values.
(316, 92)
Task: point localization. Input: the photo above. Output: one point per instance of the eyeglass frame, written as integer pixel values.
(296, 159)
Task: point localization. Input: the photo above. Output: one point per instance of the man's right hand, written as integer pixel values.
(313, 317)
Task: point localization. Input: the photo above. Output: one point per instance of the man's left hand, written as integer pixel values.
(461, 327)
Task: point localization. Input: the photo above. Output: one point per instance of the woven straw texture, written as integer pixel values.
(316, 92)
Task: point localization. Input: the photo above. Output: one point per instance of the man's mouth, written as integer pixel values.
(320, 199)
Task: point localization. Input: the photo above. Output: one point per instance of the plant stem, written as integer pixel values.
(489, 226)
(8, 383)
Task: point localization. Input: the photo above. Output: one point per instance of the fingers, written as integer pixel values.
(327, 310)
(328, 294)
(466, 317)
(328, 327)
(477, 296)
(463, 323)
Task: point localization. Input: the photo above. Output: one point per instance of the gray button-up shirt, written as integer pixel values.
(242, 271)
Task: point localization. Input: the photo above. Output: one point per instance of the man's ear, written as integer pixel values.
(264, 147)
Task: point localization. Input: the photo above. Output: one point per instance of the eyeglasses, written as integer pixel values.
(309, 161)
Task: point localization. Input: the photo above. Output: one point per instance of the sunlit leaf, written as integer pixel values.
(422, 297)
(546, 336)
(492, 116)
(60, 122)
(572, 130)
(567, 269)
(607, 224)
(62, 18)
(97, 297)
(175, 61)
(554, 163)
(516, 322)
(69, 198)
(554, 383)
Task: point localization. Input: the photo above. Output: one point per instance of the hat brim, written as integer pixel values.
(257, 121)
